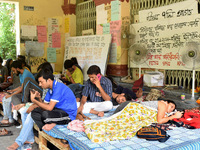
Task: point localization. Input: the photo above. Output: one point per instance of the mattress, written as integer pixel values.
(180, 139)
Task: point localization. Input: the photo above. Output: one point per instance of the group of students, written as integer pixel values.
(47, 101)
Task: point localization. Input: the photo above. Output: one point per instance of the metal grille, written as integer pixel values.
(178, 77)
(85, 17)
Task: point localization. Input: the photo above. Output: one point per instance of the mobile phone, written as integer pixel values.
(32, 90)
(7, 92)
(99, 76)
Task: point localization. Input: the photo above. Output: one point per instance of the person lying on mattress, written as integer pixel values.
(124, 124)
(163, 108)
(97, 93)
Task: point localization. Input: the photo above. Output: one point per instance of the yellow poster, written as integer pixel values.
(66, 25)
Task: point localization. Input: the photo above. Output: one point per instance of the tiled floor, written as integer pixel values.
(6, 141)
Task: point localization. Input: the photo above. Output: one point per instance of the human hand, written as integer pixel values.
(178, 114)
(32, 107)
(97, 82)
(8, 95)
(34, 94)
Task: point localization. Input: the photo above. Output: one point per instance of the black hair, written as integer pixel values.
(16, 64)
(74, 60)
(170, 101)
(45, 65)
(128, 97)
(8, 65)
(1, 60)
(114, 84)
(46, 74)
(68, 64)
(94, 69)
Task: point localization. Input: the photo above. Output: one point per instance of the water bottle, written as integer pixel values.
(183, 96)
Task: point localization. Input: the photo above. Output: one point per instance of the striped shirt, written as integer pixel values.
(91, 91)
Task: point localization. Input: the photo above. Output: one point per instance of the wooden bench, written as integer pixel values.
(42, 139)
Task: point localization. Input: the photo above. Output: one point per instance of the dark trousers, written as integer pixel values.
(42, 117)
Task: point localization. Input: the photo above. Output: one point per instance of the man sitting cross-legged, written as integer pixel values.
(59, 106)
(98, 91)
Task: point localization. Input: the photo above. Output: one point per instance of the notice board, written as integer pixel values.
(89, 50)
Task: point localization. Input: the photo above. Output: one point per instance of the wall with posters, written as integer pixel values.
(89, 50)
(114, 18)
(165, 37)
(38, 18)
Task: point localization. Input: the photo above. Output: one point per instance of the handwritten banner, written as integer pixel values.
(180, 9)
(165, 39)
(89, 50)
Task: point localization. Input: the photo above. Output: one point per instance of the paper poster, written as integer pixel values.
(115, 30)
(99, 30)
(56, 40)
(106, 28)
(66, 25)
(180, 9)
(29, 31)
(115, 10)
(42, 33)
(101, 14)
(113, 53)
(52, 28)
(34, 49)
(51, 54)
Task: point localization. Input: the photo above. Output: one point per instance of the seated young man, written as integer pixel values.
(99, 91)
(59, 106)
(16, 94)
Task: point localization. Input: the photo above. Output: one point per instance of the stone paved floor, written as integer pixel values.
(6, 141)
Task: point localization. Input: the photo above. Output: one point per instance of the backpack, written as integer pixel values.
(152, 133)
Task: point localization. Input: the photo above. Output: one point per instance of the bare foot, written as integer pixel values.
(14, 146)
(27, 142)
(4, 121)
(48, 127)
(100, 114)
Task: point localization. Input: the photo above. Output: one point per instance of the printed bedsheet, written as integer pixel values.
(180, 139)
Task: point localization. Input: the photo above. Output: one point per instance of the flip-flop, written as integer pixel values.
(5, 132)
(6, 124)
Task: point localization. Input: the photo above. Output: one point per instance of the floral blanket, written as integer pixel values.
(123, 125)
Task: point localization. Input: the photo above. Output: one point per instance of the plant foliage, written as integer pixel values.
(7, 31)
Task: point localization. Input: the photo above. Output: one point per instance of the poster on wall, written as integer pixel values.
(42, 33)
(89, 50)
(165, 38)
(53, 27)
(180, 9)
(51, 54)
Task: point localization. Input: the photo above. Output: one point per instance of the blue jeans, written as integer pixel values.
(26, 133)
(7, 109)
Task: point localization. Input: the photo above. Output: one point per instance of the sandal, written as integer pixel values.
(6, 124)
(5, 132)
